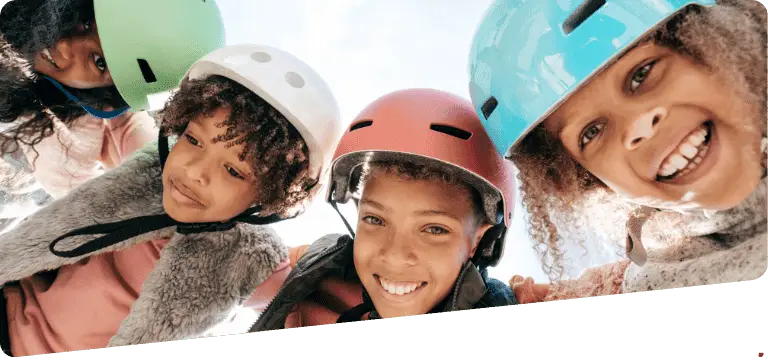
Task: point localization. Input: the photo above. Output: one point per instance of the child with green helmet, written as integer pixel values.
(172, 242)
(646, 114)
(66, 66)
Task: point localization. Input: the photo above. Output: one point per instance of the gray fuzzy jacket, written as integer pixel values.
(698, 248)
(199, 278)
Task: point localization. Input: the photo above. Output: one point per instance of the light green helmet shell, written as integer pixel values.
(150, 44)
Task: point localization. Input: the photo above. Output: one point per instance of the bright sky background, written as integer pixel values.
(365, 49)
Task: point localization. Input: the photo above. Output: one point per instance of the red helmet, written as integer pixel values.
(436, 128)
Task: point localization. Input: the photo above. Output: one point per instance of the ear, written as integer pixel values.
(481, 230)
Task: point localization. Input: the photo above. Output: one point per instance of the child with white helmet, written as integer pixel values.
(69, 72)
(645, 113)
(183, 243)
(433, 209)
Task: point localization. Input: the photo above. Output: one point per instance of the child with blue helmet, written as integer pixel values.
(651, 112)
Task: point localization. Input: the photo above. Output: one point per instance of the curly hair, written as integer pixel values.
(729, 38)
(30, 103)
(271, 145)
(407, 170)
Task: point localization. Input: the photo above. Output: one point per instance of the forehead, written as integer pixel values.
(408, 195)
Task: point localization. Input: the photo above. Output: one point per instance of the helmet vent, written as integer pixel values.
(146, 71)
(581, 14)
(360, 125)
(488, 107)
(452, 131)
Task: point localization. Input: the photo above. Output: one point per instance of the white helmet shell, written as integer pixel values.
(290, 86)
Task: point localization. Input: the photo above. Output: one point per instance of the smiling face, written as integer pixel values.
(663, 131)
(412, 239)
(76, 61)
(203, 180)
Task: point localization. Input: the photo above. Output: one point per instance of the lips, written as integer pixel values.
(46, 54)
(186, 193)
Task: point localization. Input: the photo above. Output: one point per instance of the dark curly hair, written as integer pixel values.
(26, 28)
(729, 38)
(272, 146)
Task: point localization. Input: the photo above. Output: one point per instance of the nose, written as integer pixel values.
(196, 171)
(643, 127)
(397, 251)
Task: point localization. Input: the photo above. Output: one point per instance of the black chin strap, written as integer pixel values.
(356, 313)
(120, 231)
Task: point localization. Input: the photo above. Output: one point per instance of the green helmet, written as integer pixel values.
(150, 44)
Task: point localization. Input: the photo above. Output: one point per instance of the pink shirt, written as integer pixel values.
(38, 311)
(86, 303)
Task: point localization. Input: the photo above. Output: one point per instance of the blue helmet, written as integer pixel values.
(528, 56)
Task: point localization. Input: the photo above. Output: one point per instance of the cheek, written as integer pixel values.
(446, 261)
(229, 198)
(364, 251)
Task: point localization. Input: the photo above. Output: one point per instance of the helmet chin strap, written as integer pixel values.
(94, 112)
(120, 231)
(485, 254)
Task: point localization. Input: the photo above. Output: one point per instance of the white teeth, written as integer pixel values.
(678, 161)
(688, 150)
(398, 288)
(667, 170)
(687, 155)
(48, 56)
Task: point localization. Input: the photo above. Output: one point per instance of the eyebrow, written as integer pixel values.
(373, 203)
(235, 157)
(438, 213)
(197, 127)
(381, 207)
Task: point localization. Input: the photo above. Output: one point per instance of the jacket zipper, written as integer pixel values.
(456, 289)
(301, 272)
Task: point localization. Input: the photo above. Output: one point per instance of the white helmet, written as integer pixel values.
(290, 86)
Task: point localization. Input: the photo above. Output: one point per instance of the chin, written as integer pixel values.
(733, 195)
(387, 313)
(176, 213)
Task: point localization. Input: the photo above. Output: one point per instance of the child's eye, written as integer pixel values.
(436, 230)
(191, 140)
(101, 64)
(640, 75)
(590, 133)
(234, 173)
(373, 220)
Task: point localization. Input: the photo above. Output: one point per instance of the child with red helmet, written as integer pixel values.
(433, 208)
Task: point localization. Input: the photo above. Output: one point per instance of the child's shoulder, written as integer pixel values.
(319, 247)
(499, 293)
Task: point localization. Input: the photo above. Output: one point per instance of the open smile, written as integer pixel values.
(46, 54)
(183, 195)
(398, 291)
(691, 158)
